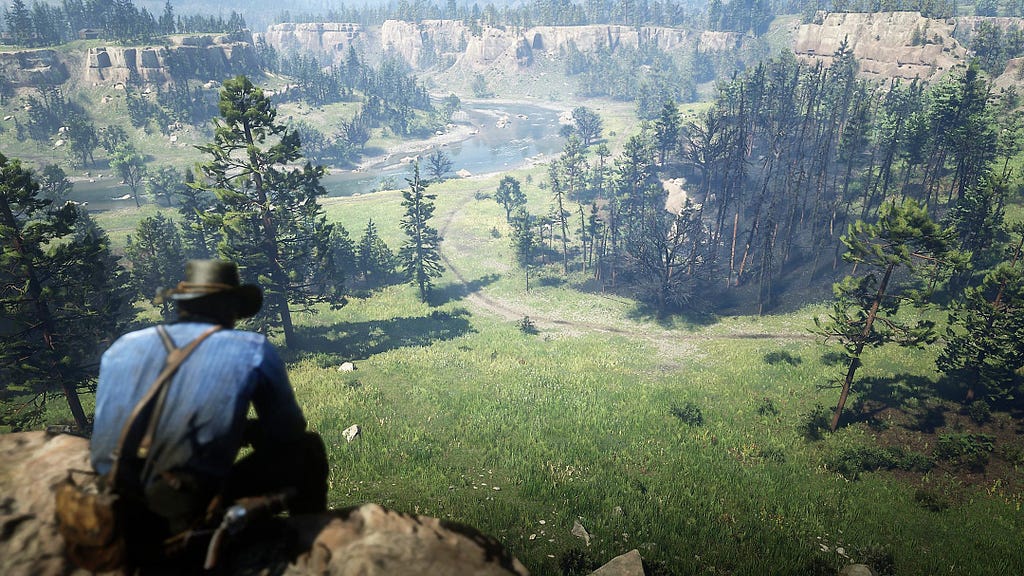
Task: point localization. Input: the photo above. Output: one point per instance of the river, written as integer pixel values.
(501, 136)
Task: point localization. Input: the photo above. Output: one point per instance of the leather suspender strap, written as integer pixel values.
(158, 390)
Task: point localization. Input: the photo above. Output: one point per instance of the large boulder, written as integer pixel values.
(364, 540)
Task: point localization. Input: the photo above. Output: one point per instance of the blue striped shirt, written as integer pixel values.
(202, 424)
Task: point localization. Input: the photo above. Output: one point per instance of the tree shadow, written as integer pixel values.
(459, 290)
(897, 391)
(360, 340)
(643, 312)
(906, 393)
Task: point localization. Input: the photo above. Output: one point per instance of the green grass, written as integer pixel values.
(581, 428)
(579, 422)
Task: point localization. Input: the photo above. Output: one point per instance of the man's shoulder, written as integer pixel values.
(183, 332)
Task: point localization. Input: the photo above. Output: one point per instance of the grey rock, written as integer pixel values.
(628, 564)
(857, 570)
(580, 532)
(352, 432)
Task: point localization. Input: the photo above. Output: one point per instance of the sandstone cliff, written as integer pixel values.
(453, 43)
(33, 68)
(884, 43)
(328, 41)
(188, 57)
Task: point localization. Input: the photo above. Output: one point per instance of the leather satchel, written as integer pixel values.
(88, 520)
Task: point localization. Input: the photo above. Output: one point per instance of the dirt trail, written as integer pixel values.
(668, 341)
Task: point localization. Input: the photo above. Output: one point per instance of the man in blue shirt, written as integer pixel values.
(191, 461)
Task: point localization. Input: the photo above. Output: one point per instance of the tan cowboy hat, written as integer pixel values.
(205, 278)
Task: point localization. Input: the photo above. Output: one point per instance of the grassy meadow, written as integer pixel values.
(685, 440)
(682, 441)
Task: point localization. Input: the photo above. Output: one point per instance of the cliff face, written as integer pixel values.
(328, 41)
(451, 41)
(33, 68)
(190, 57)
(886, 45)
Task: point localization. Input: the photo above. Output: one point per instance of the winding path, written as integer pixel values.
(666, 340)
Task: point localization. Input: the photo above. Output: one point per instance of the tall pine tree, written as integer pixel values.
(61, 300)
(420, 255)
(266, 207)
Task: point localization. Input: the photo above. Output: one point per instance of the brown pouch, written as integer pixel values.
(88, 520)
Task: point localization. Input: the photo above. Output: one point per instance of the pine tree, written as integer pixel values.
(864, 313)
(19, 22)
(510, 195)
(420, 255)
(156, 255)
(197, 233)
(61, 299)
(375, 262)
(523, 241)
(266, 208)
(666, 130)
(985, 341)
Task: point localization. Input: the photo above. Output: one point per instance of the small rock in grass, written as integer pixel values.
(580, 532)
(347, 367)
(857, 570)
(352, 432)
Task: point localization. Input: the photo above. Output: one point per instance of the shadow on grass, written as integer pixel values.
(904, 392)
(643, 312)
(459, 290)
(360, 340)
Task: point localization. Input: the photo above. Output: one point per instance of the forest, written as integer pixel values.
(883, 218)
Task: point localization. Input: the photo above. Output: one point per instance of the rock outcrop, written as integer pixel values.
(366, 540)
(189, 57)
(33, 68)
(886, 45)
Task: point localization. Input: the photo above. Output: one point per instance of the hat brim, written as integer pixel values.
(248, 296)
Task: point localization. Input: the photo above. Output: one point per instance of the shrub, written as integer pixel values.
(527, 326)
(850, 461)
(772, 454)
(879, 557)
(689, 413)
(813, 423)
(577, 562)
(969, 451)
(767, 408)
(979, 411)
(930, 500)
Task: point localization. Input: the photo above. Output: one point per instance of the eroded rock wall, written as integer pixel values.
(886, 45)
(33, 68)
(190, 57)
(451, 41)
(328, 41)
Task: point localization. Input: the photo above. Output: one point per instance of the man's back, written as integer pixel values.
(203, 420)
